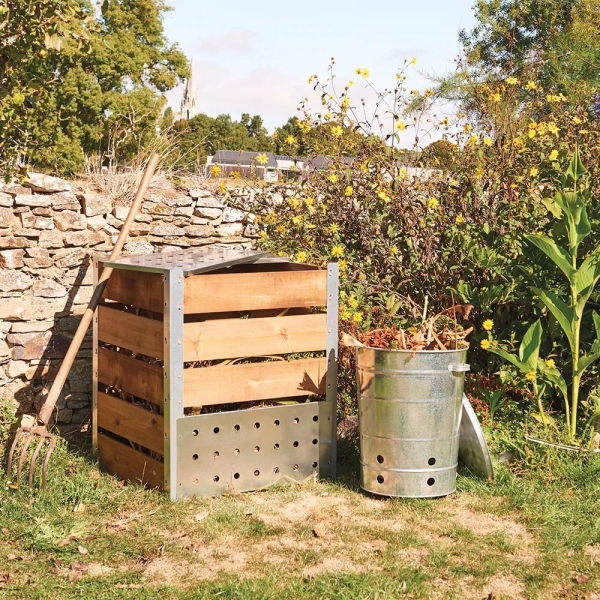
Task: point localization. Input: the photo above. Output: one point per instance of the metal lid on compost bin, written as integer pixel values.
(192, 262)
(472, 447)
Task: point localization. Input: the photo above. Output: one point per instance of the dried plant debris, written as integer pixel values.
(440, 332)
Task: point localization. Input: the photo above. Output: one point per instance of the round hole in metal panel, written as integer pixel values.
(236, 427)
(379, 458)
(236, 451)
(256, 448)
(194, 457)
(216, 478)
(276, 423)
(256, 473)
(380, 479)
(276, 470)
(215, 455)
(431, 461)
(236, 475)
(195, 432)
(296, 420)
(295, 467)
(256, 425)
(296, 444)
(315, 441)
(216, 430)
(430, 481)
(315, 418)
(315, 465)
(276, 446)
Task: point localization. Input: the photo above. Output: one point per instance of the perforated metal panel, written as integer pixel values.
(191, 262)
(246, 450)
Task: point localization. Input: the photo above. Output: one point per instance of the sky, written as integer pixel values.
(256, 57)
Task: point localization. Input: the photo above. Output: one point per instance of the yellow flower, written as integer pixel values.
(222, 187)
(352, 302)
(343, 264)
(479, 172)
(344, 314)
(394, 250)
(297, 220)
(402, 173)
(487, 141)
(496, 97)
(305, 126)
(357, 317)
(309, 201)
(291, 139)
(553, 155)
(414, 61)
(310, 79)
(550, 363)
(576, 120)
(346, 102)
(349, 191)
(271, 218)
(512, 80)
(301, 256)
(342, 293)
(383, 195)
(333, 178)
(485, 344)
(263, 235)
(533, 172)
(433, 203)
(337, 131)
(473, 140)
(460, 219)
(363, 72)
(531, 133)
(422, 222)
(530, 375)
(215, 170)
(488, 324)
(262, 159)
(294, 202)
(351, 83)
(337, 251)
(531, 85)
(400, 125)
(552, 128)
(281, 229)
(334, 228)
(467, 128)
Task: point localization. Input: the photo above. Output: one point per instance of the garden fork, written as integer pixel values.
(26, 435)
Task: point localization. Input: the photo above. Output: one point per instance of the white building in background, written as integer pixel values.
(189, 102)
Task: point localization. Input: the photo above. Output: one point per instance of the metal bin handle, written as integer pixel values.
(459, 368)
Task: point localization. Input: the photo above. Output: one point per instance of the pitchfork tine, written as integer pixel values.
(13, 448)
(34, 459)
(47, 459)
(23, 457)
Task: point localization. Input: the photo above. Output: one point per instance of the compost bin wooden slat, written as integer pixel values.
(131, 375)
(131, 422)
(254, 291)
(254, 381)
(234, 338)
(136, 288)
(124, 461)
(130, 331)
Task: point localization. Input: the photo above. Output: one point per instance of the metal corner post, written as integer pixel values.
(328, 409)
(95, 371)
(173, 373)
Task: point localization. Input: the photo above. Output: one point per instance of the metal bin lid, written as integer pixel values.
(472, 447)
(192, 262)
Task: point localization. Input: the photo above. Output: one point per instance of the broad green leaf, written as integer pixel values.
(513, 360)
(596, 318)
(529, 351)
(565, 315)
(552, 207)
(576, 169)
(579, 225)
(556, 253)
(554, 377)
(586, 361)
(543, 419)
(588, 274)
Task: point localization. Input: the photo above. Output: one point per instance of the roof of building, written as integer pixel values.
(233, 157)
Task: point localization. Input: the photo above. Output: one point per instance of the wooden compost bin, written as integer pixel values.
(215, 370)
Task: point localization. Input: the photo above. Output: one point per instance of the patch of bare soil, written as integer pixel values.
(505, 587)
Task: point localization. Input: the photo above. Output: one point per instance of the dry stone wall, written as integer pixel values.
(50, 232)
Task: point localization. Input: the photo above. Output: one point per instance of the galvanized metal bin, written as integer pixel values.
(409, 417)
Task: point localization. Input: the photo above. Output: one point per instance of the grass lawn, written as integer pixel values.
(533, 533)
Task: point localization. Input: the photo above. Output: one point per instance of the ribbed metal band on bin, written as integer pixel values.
(409, 414)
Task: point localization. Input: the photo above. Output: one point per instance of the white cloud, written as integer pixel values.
(238, 39)
(266, 91)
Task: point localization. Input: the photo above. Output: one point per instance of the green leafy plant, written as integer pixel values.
(568, 305)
